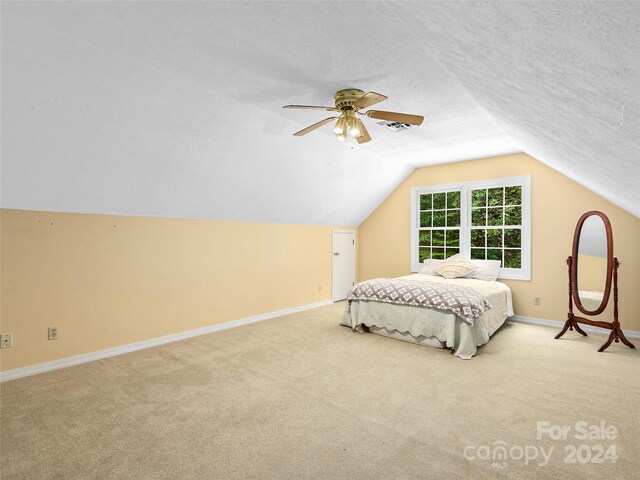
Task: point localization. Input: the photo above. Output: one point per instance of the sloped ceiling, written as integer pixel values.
(562, 79)
(174, 108)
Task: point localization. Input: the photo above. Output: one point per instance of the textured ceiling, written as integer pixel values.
(562, 79)
(174, 108)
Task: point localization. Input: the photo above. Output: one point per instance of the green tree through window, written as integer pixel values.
(496, 224)
(439, 229)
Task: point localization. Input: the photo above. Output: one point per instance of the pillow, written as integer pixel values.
(487, 270)
(429, 265)
(455, 268)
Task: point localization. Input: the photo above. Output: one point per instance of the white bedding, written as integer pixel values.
(439, 326)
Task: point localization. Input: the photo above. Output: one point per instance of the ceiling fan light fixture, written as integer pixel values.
(342, 136)
(340, 127)
(356, 128)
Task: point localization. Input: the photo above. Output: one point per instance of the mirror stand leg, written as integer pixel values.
(618, 335)
(624, 340)
(606, 344)
(578, 329)
(567, 325)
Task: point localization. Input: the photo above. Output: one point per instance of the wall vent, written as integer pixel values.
(394, 126)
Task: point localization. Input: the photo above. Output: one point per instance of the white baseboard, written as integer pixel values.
(132, 347)
(558, 324)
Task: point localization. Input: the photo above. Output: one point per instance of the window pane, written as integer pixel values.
(490, 223)
(439, 217)
(494, 254)
(453, 199)
(437, 238)
(425, 219)
(495, 216)
(478, 217)
(494, 237)
(513, 196)
(513, 216)
(477, 238)
(477, 253)
(495, 196)
(478, 198)
(439, 200)
(451, 252)
(453, 218)
(512, 259)
(425, 238)
(512, 238)
(425, 202)
(453, 238)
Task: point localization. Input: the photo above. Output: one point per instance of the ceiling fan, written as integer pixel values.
(349, 102)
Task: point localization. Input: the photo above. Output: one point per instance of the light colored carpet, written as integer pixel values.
(302, 397)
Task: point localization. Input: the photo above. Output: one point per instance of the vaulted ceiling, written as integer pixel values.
(174, 108)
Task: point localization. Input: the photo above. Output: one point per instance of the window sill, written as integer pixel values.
(523, 277)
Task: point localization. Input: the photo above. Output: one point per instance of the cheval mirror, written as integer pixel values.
(593, 273)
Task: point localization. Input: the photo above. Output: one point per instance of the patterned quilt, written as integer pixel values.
(465, 302)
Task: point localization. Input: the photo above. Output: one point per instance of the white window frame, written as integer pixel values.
(465, 188)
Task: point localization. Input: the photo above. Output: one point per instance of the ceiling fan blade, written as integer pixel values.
(311, 128)
(364, 134)
(369, 99)
(396, 117)
(312, 107)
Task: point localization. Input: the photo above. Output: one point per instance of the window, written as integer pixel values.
(496, 225)
(483, 220)
(439, 235)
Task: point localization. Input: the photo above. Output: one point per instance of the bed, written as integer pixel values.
(430, 326)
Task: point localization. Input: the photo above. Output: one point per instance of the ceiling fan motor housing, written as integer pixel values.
(346, 98)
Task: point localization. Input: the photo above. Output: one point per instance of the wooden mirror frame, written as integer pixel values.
(573, 321)
(573, 275)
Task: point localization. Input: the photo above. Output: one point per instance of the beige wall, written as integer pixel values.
(557, 203)
(108, 280)
(592, 273)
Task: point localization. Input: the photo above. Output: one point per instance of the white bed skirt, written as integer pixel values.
(407, 337)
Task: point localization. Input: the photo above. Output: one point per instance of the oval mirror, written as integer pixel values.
(592, 263)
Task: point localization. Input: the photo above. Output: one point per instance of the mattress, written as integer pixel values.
(433, 327)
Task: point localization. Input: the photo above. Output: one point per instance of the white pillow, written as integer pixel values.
(455, 268)
(487, 270)
(429, 265)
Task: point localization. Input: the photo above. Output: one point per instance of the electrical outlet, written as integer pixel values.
(537, 300)
(53, 333)
(6, 340)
